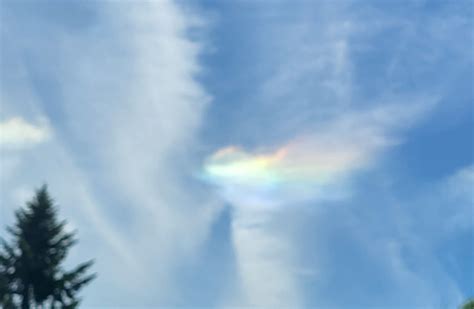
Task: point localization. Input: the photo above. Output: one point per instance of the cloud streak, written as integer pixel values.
(127, 106)
(296, 146)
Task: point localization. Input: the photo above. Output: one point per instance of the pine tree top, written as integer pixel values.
(39, 247)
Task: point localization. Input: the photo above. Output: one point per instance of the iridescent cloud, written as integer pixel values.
(317, 165)
(301, 168)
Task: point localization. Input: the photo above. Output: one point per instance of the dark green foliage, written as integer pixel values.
(30, 266)
(468, 305)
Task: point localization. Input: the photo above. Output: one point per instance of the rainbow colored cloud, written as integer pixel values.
(303, 168)
(318, 165)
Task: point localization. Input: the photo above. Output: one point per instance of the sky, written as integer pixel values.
(271, 154)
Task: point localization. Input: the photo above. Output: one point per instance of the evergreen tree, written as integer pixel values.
(30, 266)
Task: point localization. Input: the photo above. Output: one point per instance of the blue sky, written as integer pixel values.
(314, 154)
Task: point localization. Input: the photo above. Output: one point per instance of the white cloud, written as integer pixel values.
(461, 183)
(16, 133)
(130, 109)
(263, 258)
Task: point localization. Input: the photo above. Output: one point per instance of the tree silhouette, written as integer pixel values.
(30, 265)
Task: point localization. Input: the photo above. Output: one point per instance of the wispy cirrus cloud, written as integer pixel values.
(310, 97)
(127, 106)
(312, 169)
(335, 86)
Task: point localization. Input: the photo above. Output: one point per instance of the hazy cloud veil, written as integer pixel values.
(236, 153)
(124, 111)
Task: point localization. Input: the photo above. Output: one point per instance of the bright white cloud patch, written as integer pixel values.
(18, 133)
